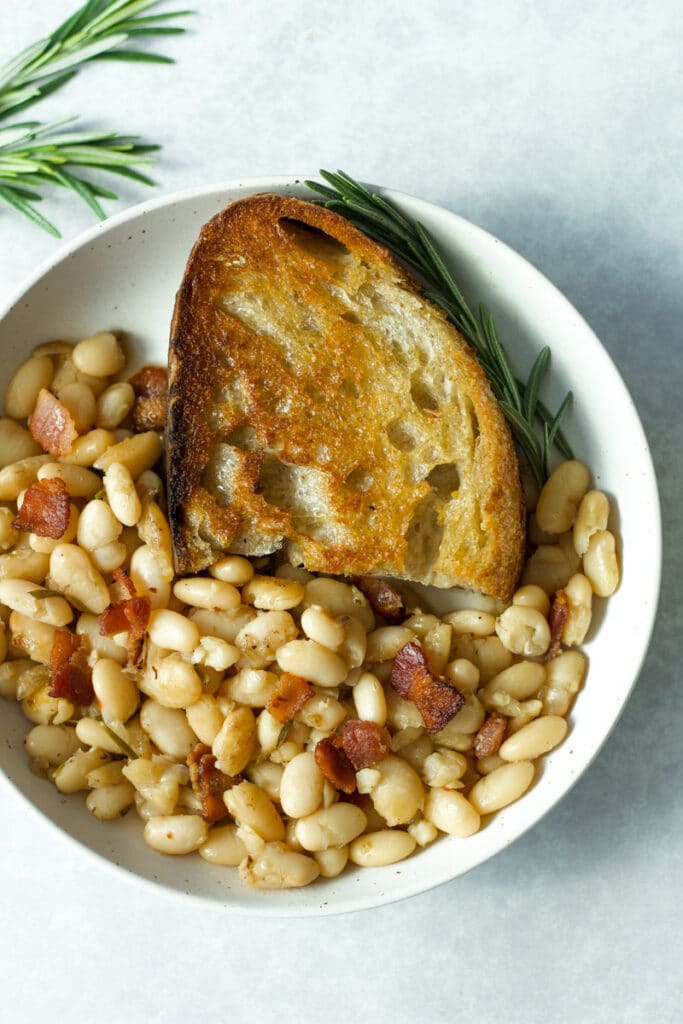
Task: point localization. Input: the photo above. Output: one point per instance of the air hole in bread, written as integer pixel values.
(301, 490)
(359, 480)
(424, 536)
(351, 318)
(314, 242)
(404, 435)
(314, 392)
(444, 480)
(243, 437)
(423, 393)
(349, 388)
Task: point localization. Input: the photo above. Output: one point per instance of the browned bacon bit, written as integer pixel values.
(490, 736)
(209, 782)
(45, 510)
(334, 763)
(289, 696)
(70, 676)
(150, 386)
(559, 612)
(365, 743)
(124, 581)
(130, 616)
(436, 700)
(384, 599)
(52, 425)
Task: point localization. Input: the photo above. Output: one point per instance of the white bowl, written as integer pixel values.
(123, 275)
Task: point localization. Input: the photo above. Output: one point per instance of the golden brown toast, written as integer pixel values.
(319, 404)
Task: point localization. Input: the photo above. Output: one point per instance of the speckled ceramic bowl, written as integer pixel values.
(123, 275)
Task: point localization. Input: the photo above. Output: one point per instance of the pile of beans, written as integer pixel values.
(216, 644)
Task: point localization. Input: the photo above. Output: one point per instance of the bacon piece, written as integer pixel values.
(559, 613)
(490, 736)
(45, 510)
(384, 599)
(70, 676)
(364, 743)
(130, 616)
(334, 763)
(150, 386)
(52, 425)
(124, 581)
(436, 699)
(209, 782)
(289, 696)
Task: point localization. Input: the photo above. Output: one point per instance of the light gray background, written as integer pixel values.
(556, 126)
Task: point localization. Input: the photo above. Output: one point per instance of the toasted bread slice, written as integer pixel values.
(320, 405)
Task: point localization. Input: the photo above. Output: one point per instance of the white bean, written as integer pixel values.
(80, 403)
(600, 563)
(331, 826)
(72, 572)
(97, 526)
(369, 699)
(176, 834)
(121, 494)
(534, 739)
(25, 384)
(173, 631)
(339, 598)
(205, 592)
(114, 404)
(399, 794)
(175, 683)
(323, 628)
(72, 775)
(137, 453)
(205, 718)
(235, 742)
(523, 630)
(501, 787)
(250, 805)
(377, 849)
(278, 867)
(333, 861)
(232, 569)
(312, 661)
(272, 594)
(252, 687)
(51, 744)
(16, 443)
(560, 496)
(452, 813)
(109, 802)
(80, 482)
(149, 577)
(168, 729)
(99, 355)
(385, 643)
(115, 690)
(223, 847)
(22, 596)
(301, 787)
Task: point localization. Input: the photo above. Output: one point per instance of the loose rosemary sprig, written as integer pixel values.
(409, 240)
(34, 154)
(98, 30)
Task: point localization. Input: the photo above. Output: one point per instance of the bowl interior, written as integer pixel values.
(123, 276)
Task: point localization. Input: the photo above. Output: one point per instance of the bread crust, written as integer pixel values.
(319, 403)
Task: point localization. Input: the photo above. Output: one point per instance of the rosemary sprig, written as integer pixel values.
(410, 241)
(34, 154)
(98, 30)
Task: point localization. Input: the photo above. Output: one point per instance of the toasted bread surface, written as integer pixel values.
(319, 404)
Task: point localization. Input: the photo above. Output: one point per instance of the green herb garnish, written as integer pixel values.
(410, 241)
(125, 747)
(34, 154)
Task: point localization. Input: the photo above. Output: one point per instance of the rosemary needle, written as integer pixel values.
(520, 402)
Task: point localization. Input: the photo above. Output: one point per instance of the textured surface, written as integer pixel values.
(320, 406)
(557, 128)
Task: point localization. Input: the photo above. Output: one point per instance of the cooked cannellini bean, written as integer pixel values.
(270, 593)
(100, 355)
(323, 712)
(377, 849)
(232, 569)
(22, 596)
(16, 477)
(137, 453)
(223, 847)
(332, 862)
(469, 620)
(385, 643)
(205, 718)
(338, 599)
(323, 628)
(215, 653)
(88, 448)
(600, 563)
(580, 599)
(149, 577)
(80, 482)
(101, 647)
(51, 744)
(250, 805)
(501, 787)
(444, 768)
(72, 572)
(236, 741)
(79, 401)
(452, 813)
(534, 739)
(520, 681)
(312, 661)
(175, 684)
(592, 515)
(109, 802)
(116, 692)
(550, 568)
(173, 631)
(72, 775)
(114, 404)
(564, 677)
(16, 443)
(121, 494)
(523, 630)
(204, 592)
(532, 596)
(168, 729)
(176, 834)
(10, 673)
(301, 786)
(24, 385)
(97, 526)
(252, 687)
(46, 545)
(560, 496)
(278, 867)
(8, 535)
(331, 826)
(92, 733)
(354, 644)
(32, 637)
(463, 675)
(369, 699)
(399, 794)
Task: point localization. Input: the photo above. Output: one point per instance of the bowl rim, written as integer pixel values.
(427, 883)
